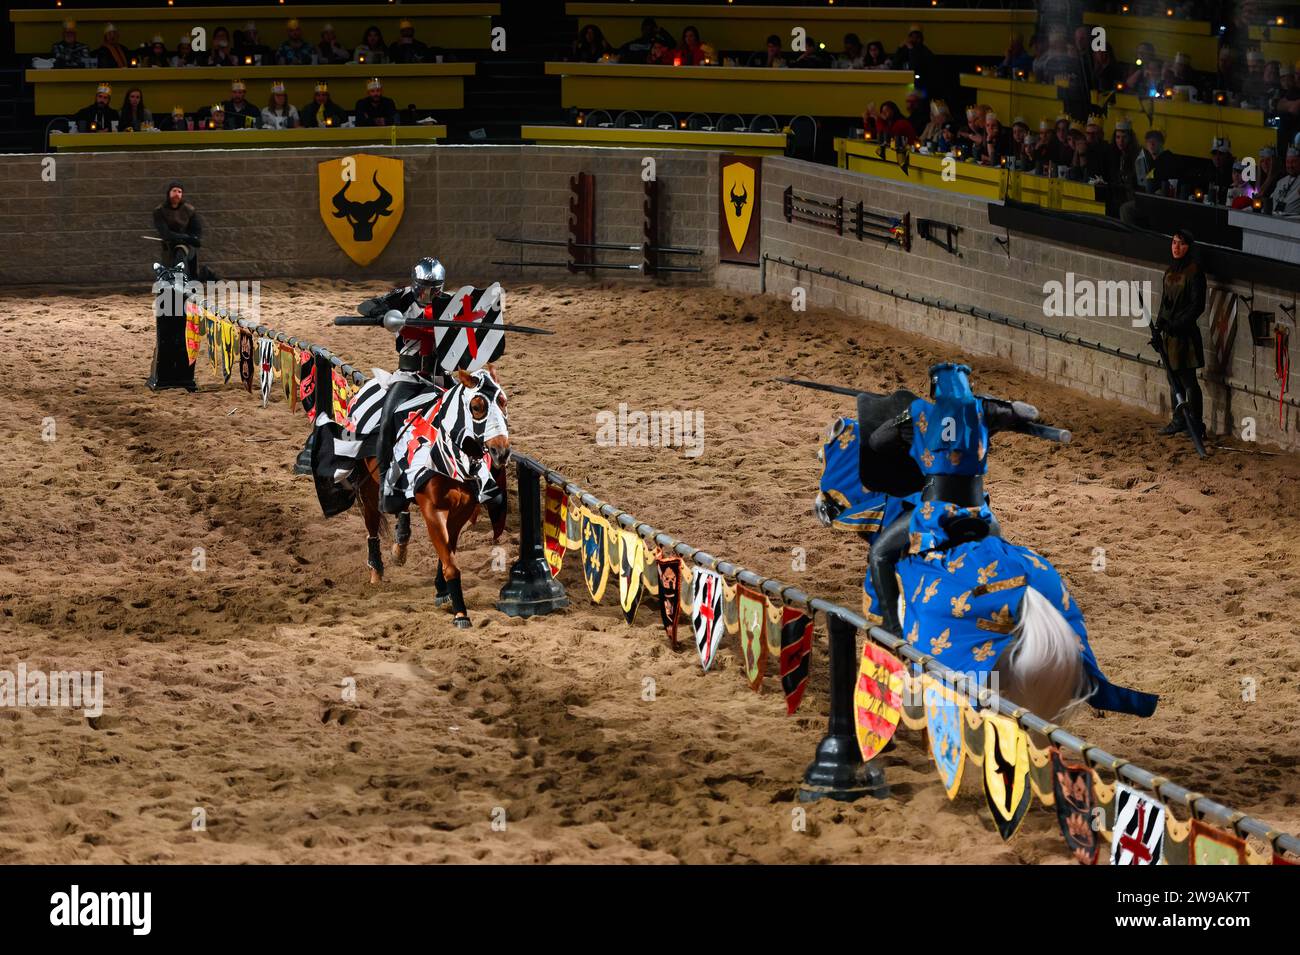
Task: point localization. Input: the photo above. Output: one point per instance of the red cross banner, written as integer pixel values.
(472, 348)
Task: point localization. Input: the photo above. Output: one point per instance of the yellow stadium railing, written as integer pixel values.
(745, 144)
(427, 85)
(721, 89)
(449, 25)
(248, 139)
(967, 178)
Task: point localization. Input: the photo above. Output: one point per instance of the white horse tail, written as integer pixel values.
(1041, 668)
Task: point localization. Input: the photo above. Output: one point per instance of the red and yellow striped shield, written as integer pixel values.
(877, 698)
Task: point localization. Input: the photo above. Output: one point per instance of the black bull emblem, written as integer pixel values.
(362, 216)
(739, 200)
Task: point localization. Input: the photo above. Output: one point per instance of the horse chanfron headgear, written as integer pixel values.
(427, 278)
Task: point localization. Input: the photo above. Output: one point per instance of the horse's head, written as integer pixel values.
(485, 401)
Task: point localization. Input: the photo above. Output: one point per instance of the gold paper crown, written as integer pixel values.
(277, 87)
(105, 89)
(237, 85)
(322, 87)
(1095, 119)
(405, 25)
(374, 83)
(292, 24)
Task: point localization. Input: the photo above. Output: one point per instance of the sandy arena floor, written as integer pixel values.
(223, 687)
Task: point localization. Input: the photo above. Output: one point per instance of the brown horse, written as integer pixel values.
(447, 504)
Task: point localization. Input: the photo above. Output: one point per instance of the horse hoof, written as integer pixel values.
(462, 623)
(399, 554)
(376, 577)
(441, 600)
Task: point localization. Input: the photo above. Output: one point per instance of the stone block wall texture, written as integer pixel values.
(1008, 278)
(262, 221)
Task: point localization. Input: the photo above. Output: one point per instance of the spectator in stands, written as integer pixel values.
(133, 116)
(1062, 150)
(998, 144)
(322, 111)
(1145, 54)
(99, 116)
(971, 136)
(1267, 172)
(590, 45)
(157, 53)
(1255, 84)
(250, 49)
(1287, 107)
(112, 55)
(918, 113)
(330, 51)
(772, 56)
(854, 56)
(279, 113)
(1108, 74)
(185, 55)
(1182, 300)
(68, 53)
(179, 226)
(375, 109)
(1017, 63)
(813, 57)
(295, 51)
(1022, 153)
(407, 49)
(1056, 60)
(1146, 165)
(662, 52)
(238, 112)
(1286, 193)
(876, 59)
(887, 124)
(1041, 153)
(1221, 156)
(945, 140)
(1121, 166)
(174, 123)
(1078, 164)
(692, 51)
(1229, 76)
(940, 116)
(636, 51)
(1083, 56)
(221, 52)
(1181, 78)
(1241, 194)
(914, 55)
(215, 118)
(372, 49)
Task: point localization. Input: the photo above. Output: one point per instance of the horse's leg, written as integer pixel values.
(402, 538)
(368, 495)
(441, 596)
(435, 519)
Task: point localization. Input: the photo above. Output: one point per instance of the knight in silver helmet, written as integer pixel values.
(427, 279)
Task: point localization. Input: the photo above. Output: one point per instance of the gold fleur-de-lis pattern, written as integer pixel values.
(961, 604)
(941, 642)
(983, 651)
(927, 510)
(922, 425)
(930, 591)
(846, 437)
(1033, 559)
(988, 572)
(914, 634)
(954, 458)
(999, 622)
(927, 459)
(956, 563)
(1065, 598)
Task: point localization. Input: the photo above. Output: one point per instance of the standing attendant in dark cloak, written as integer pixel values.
(1182, 301)
(180, 228)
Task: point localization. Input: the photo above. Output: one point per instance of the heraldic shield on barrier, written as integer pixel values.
(362, 198)
(740, 221)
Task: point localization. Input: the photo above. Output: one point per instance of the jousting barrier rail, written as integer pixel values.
(837, 770)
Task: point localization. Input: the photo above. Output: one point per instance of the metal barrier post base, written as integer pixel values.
(532, 589)
(303, 463)
(837, 770)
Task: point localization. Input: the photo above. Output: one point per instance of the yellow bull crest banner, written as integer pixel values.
(362, 198)
(739, 218)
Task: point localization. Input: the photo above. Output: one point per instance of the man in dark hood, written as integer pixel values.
(1182, 301)
(180, 227)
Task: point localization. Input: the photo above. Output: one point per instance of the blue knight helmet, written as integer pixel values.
(949, 434)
